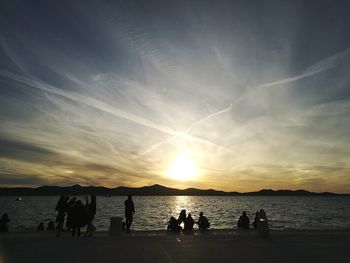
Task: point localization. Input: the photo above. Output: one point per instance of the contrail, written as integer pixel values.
(105, 107)
(157, 145)
(317, 68)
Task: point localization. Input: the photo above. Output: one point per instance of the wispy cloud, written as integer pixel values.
(113, 98)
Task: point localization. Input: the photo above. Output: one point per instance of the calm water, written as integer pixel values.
(152, 212)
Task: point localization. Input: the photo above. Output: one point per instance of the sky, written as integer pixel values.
(238, 95)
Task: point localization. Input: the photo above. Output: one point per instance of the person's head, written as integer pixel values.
(244, 214)
(130, 197)
(201, 214)
(189, 215)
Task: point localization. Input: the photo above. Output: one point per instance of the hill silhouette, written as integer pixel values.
(154, 190)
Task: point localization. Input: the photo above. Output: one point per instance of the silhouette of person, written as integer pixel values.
(61, 208)
(91, 211)
(50, 226)
(243, 221)
(189, 222)
(182, 217)
(263, 224)
(129, 210)
(173, 225)
(79, 217)
(40, 227)
(3, 223)
(70, 204)
(203, 222)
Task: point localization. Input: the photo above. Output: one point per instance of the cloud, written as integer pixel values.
(93, 95)
(13, 180)
(25, 151)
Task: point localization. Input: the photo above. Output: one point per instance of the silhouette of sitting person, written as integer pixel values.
(203, 222)
(262, 224)
(243, 221)
(129, 210)
(3, 223)
(182, 217)
(50, 226)
(40, 227)
(79, 217)
(189, 222)
(173, 225)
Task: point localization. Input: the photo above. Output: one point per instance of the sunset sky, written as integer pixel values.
(230, 95)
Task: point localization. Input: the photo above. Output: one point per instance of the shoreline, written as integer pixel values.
(211, 232)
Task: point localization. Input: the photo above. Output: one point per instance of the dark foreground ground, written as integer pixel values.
(216, 246)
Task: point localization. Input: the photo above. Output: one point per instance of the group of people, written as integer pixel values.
(188, 222)
(244, 221)
(76, 214)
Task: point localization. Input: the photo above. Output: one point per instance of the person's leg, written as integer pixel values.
(73, 231)
(78, 231)
(127, 223)
(130, 219)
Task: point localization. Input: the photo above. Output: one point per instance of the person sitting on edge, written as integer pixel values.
(243, 221)
(189, 222)
(3, 223)
(203, 222)
(40, 227)
(182, 217)
(50, 226)
(173, 226)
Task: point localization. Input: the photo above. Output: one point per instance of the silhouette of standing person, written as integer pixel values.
(129, 210)
(70, 204)
(61, 208)
(79, 217)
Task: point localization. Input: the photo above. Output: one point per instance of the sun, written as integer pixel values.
(183, 168)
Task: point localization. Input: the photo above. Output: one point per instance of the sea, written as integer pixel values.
(153, 212)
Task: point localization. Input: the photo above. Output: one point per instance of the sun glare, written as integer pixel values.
(182, 168)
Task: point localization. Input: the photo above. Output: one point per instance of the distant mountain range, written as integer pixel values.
(155, 190)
